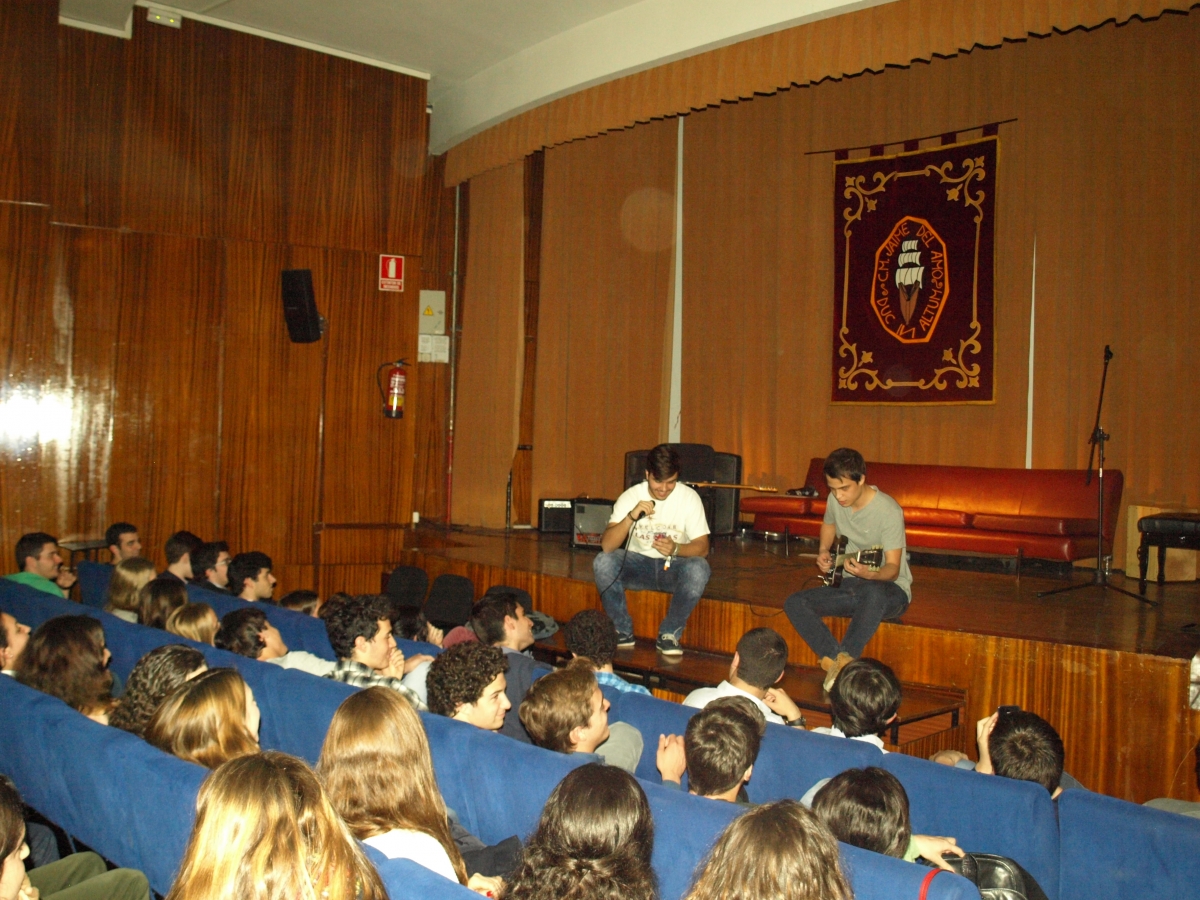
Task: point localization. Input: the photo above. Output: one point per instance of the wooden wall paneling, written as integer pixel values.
(175, 162)
(522, 467)
(490, 372)
(89, 136)
(355, 167)
(433, 379)
(35, 389)
(166, 401)
(269, 405)
(262, 82)
(607, 255)
(27, 39)
(368, 457)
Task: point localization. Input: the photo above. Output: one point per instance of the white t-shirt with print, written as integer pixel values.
(680, 517)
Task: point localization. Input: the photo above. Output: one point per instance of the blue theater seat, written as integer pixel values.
(93, 581)
(407, 880)
(985, 813)
(116, 793)
(1122, 851)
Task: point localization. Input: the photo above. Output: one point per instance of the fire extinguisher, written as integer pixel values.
(391, 388)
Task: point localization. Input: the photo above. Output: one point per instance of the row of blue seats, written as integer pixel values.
(497, 786)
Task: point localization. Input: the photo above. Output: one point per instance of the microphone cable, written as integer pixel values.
(628, 540)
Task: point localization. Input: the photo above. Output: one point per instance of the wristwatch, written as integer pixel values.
(799, 722)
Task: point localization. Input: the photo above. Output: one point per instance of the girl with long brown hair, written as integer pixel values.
(129, 576)
(66, 657)
(376, 766)
(265, 830)
(208, 720)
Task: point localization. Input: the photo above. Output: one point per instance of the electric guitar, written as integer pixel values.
(872, 559)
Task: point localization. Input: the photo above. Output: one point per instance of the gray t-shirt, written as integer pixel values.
(878, 524)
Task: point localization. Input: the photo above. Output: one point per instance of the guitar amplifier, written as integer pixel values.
(590, 519)
(556, 516)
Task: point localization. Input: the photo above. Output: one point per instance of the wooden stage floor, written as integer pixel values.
(1110, 673)
(755, 572)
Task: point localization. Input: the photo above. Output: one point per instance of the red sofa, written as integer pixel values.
(1041, 513)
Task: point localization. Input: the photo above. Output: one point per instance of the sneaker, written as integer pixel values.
(626, 642)
(668, 645)
(835, 669)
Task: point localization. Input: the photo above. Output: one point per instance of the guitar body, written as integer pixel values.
(872, 559)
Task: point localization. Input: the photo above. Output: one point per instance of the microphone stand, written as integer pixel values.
(1099, 436)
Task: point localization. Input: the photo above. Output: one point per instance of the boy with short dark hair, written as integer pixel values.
(757, 667)
(717, 751)
(864, 701)
(592, 634)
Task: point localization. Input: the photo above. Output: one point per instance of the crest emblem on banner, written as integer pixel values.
(913, 240)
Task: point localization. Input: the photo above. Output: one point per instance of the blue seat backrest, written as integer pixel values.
(790, 760)
(495, 784)
(985, 813)
(1118, 850)
(407, 880)
(685, 828)
(877, 877)
(93, 582)
(116, 793)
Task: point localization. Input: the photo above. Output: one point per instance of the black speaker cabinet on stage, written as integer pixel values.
(699, 462)
(591, 518)
(556, 516)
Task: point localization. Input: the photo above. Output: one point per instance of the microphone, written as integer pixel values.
(643, 515)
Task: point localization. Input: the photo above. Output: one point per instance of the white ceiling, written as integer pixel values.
(487, 60)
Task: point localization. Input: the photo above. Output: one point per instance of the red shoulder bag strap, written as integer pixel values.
(925, 884)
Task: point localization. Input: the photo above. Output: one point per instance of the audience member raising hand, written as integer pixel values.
(265, 830)
(376, 767)
(66, 657)
(207, 720)
(152, 680)
(594, 841)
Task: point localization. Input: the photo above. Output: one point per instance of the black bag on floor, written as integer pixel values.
(997, 877)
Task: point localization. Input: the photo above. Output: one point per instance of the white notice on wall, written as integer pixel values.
(433, 348)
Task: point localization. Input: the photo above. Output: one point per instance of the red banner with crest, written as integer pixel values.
(913, 253)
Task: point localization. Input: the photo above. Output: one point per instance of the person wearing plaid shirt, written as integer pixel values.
(591, 633)
(360, 633)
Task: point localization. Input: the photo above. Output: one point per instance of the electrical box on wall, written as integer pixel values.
(432, 318)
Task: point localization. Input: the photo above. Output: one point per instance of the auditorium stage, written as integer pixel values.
(1109, 672)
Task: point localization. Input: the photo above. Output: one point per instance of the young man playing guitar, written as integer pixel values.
(867, 518)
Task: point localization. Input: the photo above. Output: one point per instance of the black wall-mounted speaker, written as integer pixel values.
(300, 307)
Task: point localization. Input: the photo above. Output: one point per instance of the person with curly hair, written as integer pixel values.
(265, 830)
(591, 633)
(129, 576)
(195, 621)
(158, 599)
(467, 683)
(375, 765)
(594, 840)
(66, 657)
(360, 633)
(777, 850)
(155, 676)
(207, 720)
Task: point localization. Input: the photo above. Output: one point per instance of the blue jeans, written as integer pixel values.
(623, 570)
(866, 602)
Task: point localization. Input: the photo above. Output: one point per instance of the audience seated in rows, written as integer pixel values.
(757, 667)
(868, 808)
(66, 657)
(207, 720)
(179, 549)
(195, 621)
(467, 683)
(248, 632)
(864, 701)
(250, 576)
(14, 637)
(717, 750)
(592, 634)
(565, 711)
(123, 541)
(155, 676)
(301, 601)
(499, 620)
(123, 597)
(773, 851)
(265, 830)
(210, 566)
(40, 565)
(361, 636)
(158, 599)
(376, 767)
(594, 841)
(412, 625)
(80, 876)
